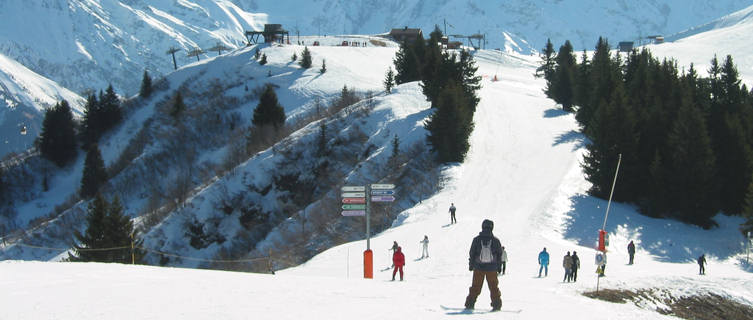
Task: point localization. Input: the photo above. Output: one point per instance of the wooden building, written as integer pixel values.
(405, 34)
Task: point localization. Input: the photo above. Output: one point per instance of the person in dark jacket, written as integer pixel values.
(398, 260)
(702, 264)
(576, 266)
(452, 213)
(631, 251)
(484, 259)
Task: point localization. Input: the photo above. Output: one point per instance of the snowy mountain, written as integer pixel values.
(520, 25)
(24, 95)
(89, 44)
(725, 36)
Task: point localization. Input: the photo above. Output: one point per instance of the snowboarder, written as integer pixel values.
(544, 262)
(425, 245)
(452, 213)
(504, 260)
(631, 251)
(576, 266)
(567, 263)
(702, 264)
(484, 260)
(398, 260)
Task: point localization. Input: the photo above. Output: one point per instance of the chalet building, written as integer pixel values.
(405, 34)
(625, 46)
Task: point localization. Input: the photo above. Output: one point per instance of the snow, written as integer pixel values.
(522, 172)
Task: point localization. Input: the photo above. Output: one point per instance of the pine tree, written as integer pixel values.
(394, 160)
(111, 113)
(747, 211)
(269, 111)
(690, 168)
(389, 81)
(582, 77)
(321, 142)
(562, 85)
(305, 58)
(94, 175)
(263, 60)
(406, 64)
(108, 235)
(324, 66)
(548, 62)
(470, 82)
(146, 85)
(91, 125)
(178, 106)
(57, 142)
(450, 125)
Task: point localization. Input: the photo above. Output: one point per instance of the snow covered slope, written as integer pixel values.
(517, 25)
(88, 44)
(23, 97)
(522, 172)
(727, 35)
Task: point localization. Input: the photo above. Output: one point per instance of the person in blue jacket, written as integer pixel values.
(544, 262)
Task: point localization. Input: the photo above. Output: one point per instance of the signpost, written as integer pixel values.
(356, 202)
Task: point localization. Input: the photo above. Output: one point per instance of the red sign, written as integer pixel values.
(354, 200)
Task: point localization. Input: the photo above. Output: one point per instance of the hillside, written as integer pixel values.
(24, 95)
(522, 172)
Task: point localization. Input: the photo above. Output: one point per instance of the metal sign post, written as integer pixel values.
(356, 201)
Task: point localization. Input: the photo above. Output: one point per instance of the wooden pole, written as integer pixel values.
(133, 253)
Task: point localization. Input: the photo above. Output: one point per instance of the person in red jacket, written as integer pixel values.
(398, 259)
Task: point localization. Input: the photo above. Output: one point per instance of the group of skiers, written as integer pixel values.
(488, 259)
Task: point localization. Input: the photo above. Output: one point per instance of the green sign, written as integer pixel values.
(354, 207)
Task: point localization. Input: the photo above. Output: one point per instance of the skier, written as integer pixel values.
(567, 263)
(425, 243)
(452, 213)
(504, 260)
(631, 251)
(398, 260)
(576, 266)
(393, 249)
(544, 262)
(702, 264)
(485, 262)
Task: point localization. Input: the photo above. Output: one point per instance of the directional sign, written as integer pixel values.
(353, 189)
(382, 186)
(353, 213)
(354, 200)
(353, 194)
(354, 207)
(382, 192)
(383, 198)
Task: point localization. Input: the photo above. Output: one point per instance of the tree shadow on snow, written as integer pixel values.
(572, 136)
(666, 240)
(554, 113)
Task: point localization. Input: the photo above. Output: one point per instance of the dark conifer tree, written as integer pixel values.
(394, 160)
(406, 66)
(450, 125)
(582, 79)
(107, 228)
(305, 58)
(57, 142)
(94, 175)
(690, 182)
(269, 111)
(324, 66)
(178, 106)
(263, 59)
(389, 81)
(321, 142)
(146, 85)
(747, 211)
(562, 85)
(111, 113)
(470, 82)
(548, 62)
(91, 125)
(603, 79)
